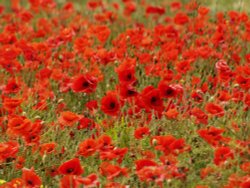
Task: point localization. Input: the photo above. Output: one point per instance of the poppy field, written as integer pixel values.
(126, 93)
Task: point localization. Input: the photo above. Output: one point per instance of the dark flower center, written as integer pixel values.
(154, 177)
(112, 105)
(167, 163)
(153, 99)
(30, 182)
(131, 92)
(85, 84)
(197, 98)
(69, 170)
(18, 124)
(8, 65)
(243, 81)
(32, 137)
(129, 76)
(212, 134)
(10, 159)
(14, 86)
(169, 92)
(49, 150)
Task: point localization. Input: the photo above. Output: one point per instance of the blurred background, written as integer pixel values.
(215, 5)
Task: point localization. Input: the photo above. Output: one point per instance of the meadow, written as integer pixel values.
(126, 93)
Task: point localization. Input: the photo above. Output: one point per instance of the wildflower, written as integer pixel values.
(30, 178)
(84, 83)
(71, 167)
(110, 104)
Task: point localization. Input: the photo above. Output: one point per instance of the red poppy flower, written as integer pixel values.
(203, 10)
(141, 132)
(89, 181)
(178, 146)
(183, 66)
(10, 104)
(212, 135)
(169, 144)
(87, 147)
(102, 32)
(110, 104)
(215, 109)
(172, 113)
(11, 66)
(245, 167)
(69, 181)
(120, 153)
(237, 95)
(71, 167)
(224, 96)
(47, 148)
(166, 91)
(222, 66)
(19, 126)
(8, 149)
(104, 142)
(175, 5)
(244, 82)
(19, 162)
(201, 117)
(94, 4)
(32, 139)
(30, 178)
(181, 18)
(192, 5)
(223, 70)
(68, 118)
(86, 123)
(114, 185)
(44, 73)
(26, 16)
(152, 99)
(16, 182)
(12, 87)
(16, 125)
(222, 154)
(245, 183)
(92, 105)
(155, 10)
(141, 163)
(126, 72)
(84, 83)
(110, 154)
(107, 155)
(66, 34)
(127, 91)
(129, 8)
(111, 171)
(36, 127)
(205, 172)
(247, 100)
(152, 174)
